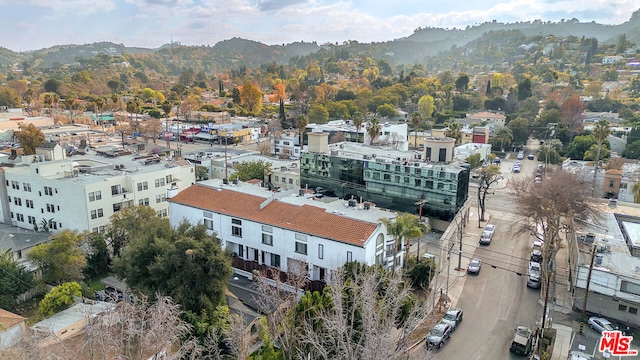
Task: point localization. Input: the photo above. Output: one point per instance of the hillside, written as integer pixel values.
(419, 47)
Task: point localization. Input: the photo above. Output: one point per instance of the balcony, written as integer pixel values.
(272, 273)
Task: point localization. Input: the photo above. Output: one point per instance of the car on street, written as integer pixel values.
(474, 266)
(601, 324)
(485, 238)
(491, 228)
(520, 156)
(438, 335)
(516, 168)
(536, 255)
(531, 157)
(453, 317)
(523, 341)
(497, 161)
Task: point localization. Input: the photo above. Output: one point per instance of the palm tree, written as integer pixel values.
(373, 130)
(404, 227)
(301, 125)
(454, 130)
(358, 119)
(600, 132)
(504, 135)
(417, 121)
(100, 104)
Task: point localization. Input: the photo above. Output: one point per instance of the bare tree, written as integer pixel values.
(362, 321)
(550, 208)
(489, 175)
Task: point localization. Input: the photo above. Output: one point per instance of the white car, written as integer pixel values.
(490, 228)
(520, 156)
(516, 169)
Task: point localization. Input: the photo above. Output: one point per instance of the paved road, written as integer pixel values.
(497, 300)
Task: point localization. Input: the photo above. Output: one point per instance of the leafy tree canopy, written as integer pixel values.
(15, 279)
(59, 298)
(248, 170)
(60, 260)
(29, 137)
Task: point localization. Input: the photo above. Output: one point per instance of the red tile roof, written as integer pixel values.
(305, 219)
(9, 319)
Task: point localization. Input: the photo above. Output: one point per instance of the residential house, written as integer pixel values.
(287, 230)
(494, 120)
(12, 329)
(69, 322)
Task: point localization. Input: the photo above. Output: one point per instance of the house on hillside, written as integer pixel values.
(12, 329)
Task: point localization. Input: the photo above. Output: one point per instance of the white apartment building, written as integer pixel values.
(287, 229)
(82, 192)
(286, 145)
(391, 134)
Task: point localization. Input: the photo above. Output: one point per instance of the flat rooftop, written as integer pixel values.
(293, 197)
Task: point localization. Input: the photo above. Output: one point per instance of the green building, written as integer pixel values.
(391, 179)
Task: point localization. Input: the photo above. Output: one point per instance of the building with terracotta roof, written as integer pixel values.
(287, 229)
(12, 328)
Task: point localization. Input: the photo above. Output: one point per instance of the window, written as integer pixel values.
(301, 237)
(161, 198)
(240, 251)
(320, 251)
(20, 217)
(29, 203)
(277, 178)
(633, 310)
(51, 208)
(275, 260)
(267, 239)
(17, 201)
(418, 182)
(386, 177)
(32, 219)
(236, 229)
(301, 248)
(349, 256)
(267, 229)
(100, 213)
(144, 201)
(48, 191)
(26, 186)
(207, 214)
(611, 183)
(622, 307)
(94, 214)
(169, 178)
(208, 224)
(291, 181)
(98, 195)
(117, 207)
(115, 190)
(143, 186)
(15, 185)
(159, 182)
(92, 196)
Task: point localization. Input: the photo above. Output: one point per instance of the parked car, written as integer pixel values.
(531, 157)
(536, 255)
(490, 228)
(520, 156)
(533, 282)
(601, 324)
(516, 168)
(453, 317)
(474, 266)
(485, 238)
(497, 161)
(522, 342)
(438, 335)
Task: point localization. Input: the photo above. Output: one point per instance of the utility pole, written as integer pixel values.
(448, 271)
(460, 234)
(586, 293)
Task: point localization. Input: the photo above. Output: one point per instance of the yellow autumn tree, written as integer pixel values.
(251, 98)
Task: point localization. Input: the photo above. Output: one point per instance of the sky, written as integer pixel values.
(35, 24)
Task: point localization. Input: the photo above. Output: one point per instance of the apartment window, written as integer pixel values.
(29, 203)
(208, 224)
(633, 310)
(277, 178)
(376, 176)
(169, 178)
(349, 256)
(418, 171)
(101, 229)
(15, 185)
(9, 198)
(622, 307)
(53, 225)
(98, 195)
(236, 227)
(12, 216)
(241, 251)
(164, 212)
(291, 181)
(94, 230)
(418, 182)
(611, 183)
(51, 208)
(301, 248)
(267, 239)
(17, 201)
(275, 260)
(267, 229)
(117, 207)
(20, 217)
(92, 196)
(94, 214)
(144, 201)
(48, 191)
(26, 186)
(32, 219)
(159, 182)
(143, 186)
(387, 177)
(100, 213)
(320, 251)
(161, 198)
